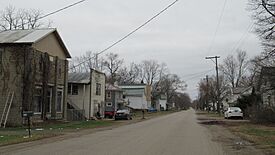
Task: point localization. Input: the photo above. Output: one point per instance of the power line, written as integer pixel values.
(64, 8)
(199, 75)
(217, 27)
(243, 37)
(201, 72)
(54, 12)
(129, 34)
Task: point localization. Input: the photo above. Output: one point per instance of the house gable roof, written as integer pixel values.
(30, 36)
(133, 86)
(112, 87)
(81, 78)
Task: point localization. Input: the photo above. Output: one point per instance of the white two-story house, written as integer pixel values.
(86, 92)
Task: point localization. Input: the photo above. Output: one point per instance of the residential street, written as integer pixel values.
(178, 133)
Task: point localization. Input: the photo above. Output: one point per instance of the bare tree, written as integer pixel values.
(234, 69)
(182, 100)
(112, 64)
(150, 70)
(264, 16)
(11, 18)
(85, 62)
(210, 90)
(170, 84)
(129, 75)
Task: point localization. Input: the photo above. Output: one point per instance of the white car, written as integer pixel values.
(233, 112)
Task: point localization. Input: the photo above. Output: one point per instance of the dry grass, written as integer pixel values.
(262, 135)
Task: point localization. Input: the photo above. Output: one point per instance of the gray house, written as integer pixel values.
(114, 100)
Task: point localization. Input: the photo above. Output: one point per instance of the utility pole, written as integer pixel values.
(207, 93)
(217, 76)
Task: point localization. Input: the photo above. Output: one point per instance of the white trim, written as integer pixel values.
(107, 104)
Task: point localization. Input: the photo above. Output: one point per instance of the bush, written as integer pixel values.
(264, 115)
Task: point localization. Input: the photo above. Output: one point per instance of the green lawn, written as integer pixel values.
(17, 135)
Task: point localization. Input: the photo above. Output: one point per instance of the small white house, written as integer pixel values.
(137, 95)
(163, 102)
(86, 91)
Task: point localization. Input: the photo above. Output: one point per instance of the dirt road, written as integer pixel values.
(174, 134)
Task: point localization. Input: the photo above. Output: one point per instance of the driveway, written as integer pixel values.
(174, 134)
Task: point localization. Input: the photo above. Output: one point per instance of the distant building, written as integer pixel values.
(114, 100)
(266, 86)
(137, 95)
(33, 75)
(234, 95)
(86, 91)
(163, 102)
(160, 101)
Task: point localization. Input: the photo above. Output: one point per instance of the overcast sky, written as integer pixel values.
(181, 37)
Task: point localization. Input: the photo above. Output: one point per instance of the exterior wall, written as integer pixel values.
(163, 104)
(116, 99)
(92, 102)
(23, 70)
(11, 79)
(136, 102)
(50, 45)
(111, 99)
(55, 78)
(82, 99)
(139, 97)
(98, 101)
(268, 93)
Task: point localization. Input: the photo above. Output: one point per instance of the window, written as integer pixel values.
(75, 89)
(51, 58)
(59, 71)
(109, 94)
(69, 89)
(59, 101)
(49, 100)
(109, 104)
(98, 89)
(37, 101)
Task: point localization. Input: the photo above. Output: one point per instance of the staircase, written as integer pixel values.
(6, 111)
(75, 114)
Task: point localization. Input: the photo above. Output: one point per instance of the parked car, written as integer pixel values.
(109, 114)
(233, 112)
(152, 109)
(123, 114)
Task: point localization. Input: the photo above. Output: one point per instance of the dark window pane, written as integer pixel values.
(75, 90)
(59, 102)
(37, 101)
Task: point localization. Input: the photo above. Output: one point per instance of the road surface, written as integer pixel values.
(174, 134)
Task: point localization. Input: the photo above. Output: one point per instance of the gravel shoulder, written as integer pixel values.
(232, 144)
